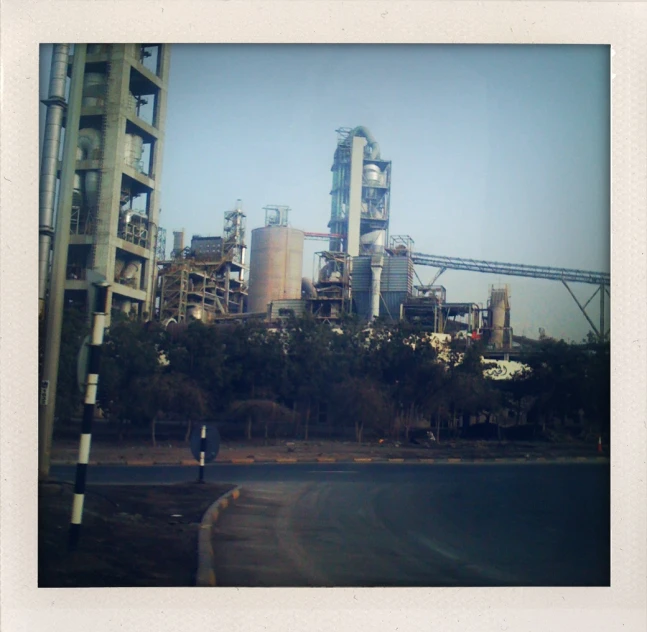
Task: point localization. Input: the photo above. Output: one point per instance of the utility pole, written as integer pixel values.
(55, 303)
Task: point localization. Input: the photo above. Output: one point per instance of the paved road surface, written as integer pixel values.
(405, 525)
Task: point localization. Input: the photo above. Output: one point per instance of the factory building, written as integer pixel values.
(205, 281)
(377, 283)
(114, 203)
(361, 183)
(208, 248)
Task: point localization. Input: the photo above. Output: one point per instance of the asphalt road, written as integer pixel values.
(404, 524)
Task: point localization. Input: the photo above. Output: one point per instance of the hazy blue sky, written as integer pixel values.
(499, 152)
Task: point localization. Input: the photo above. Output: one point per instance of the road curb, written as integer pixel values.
(318, 460)
(206, 576)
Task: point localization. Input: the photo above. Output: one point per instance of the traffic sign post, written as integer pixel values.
(205, 444)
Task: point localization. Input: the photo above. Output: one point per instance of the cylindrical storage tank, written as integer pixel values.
(77, 195)
(94, 89)
(120, 264)
(178, 240)
(497, 310)
(275, 266)
(91, 188)
(372, 175)
(134, 149)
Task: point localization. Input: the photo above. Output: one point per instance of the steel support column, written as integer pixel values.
(597, 333)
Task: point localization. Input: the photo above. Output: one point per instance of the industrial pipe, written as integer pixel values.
(49, 163)
(360, 130)
(377, 263)
(59, 265)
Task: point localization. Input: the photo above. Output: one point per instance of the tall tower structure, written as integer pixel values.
(361, 185)
(115, 203)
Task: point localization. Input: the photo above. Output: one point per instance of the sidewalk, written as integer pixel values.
(178, 453)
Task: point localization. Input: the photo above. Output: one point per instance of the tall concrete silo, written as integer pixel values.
(275, 266)
(499, 315)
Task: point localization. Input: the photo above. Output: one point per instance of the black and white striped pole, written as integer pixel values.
(94, 363)
(203, 450)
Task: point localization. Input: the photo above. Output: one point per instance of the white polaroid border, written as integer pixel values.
(27, 23)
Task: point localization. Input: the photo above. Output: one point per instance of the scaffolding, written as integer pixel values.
(192, 289)
(429, 308)
(233, 236)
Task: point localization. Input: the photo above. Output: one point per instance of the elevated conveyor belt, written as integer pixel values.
(512, 269)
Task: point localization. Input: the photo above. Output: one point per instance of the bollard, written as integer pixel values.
(203, 449)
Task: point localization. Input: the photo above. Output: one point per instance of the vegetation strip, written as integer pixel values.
(206, 576)
(342, 377)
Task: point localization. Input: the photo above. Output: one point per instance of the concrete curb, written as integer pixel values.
(319, 460)
(206, 575)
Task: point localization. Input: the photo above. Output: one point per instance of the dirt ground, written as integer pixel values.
(132, 535)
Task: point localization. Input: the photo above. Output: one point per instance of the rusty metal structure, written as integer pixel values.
(205, 283)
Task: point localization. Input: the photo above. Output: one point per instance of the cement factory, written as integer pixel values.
(364, 271)
(115, 116)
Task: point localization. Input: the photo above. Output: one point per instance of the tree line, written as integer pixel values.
(301, 377)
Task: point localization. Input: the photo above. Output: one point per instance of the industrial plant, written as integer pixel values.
(365, 271)
(109, 184)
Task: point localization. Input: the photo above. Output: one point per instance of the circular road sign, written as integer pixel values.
(213, 442)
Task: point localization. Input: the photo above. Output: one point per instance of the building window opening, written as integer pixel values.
(149, 57)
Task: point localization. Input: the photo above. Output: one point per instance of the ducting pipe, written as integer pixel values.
(377, 263)
(308, 288)
(88, 144)
(370, 140)
(49, 163)
(131, 270)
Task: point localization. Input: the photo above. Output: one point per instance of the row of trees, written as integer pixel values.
(386, 380)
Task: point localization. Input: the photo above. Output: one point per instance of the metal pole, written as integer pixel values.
(94, 364)
(59, 264)
(602, 330)
(55, 103)
(203, 449)
(597, 333)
